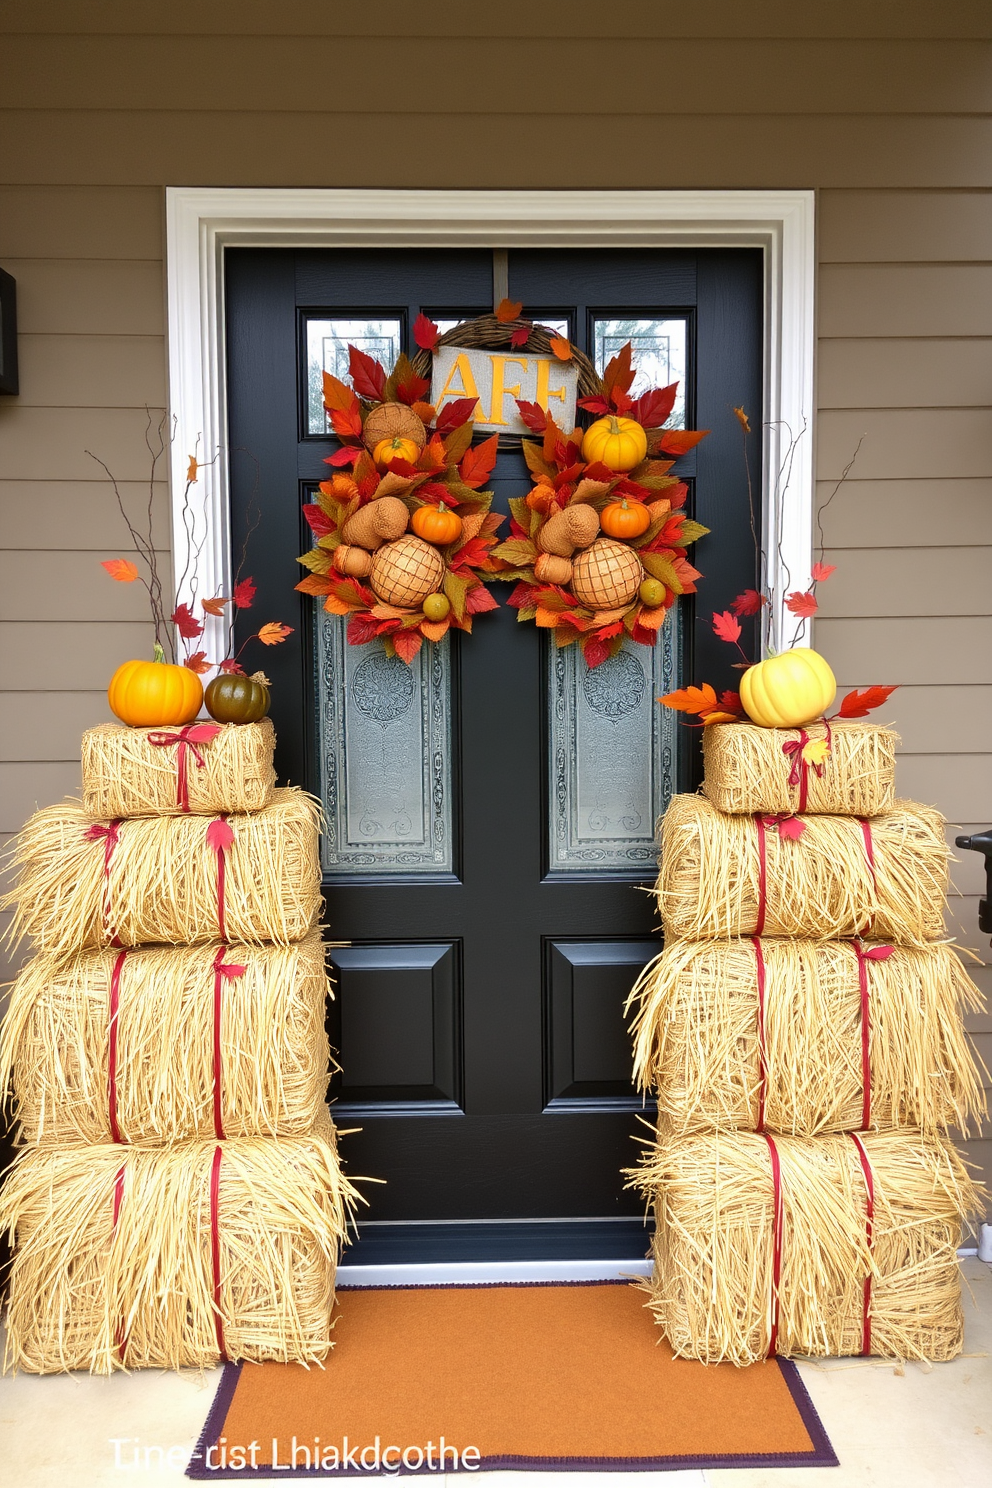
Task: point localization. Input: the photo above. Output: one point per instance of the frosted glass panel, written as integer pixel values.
(612, 757)
(659, 355)
(327, 351)
(385, 756)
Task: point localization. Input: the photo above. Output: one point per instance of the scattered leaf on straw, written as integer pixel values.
(748, 603)
(508, 310)
(197, 663)
(791, 828)
(719, 717)
(816, 751)
(859, 704)
(243, 594)
(561, 348)
(192, 468)
(822, 571)
(801, 604)
(186, 623)
(216, 606)
(274, 632)
(743, 420)
(121, 569)
(726, 627)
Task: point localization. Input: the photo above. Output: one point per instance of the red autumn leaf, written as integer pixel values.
(274, 632)
(791, 828)
(801, 604)
(214, 607)
(595, 651)
(726, 627)
(346, 422)
(412, 390)
(425, 332)
(220, 835)
(597, 404)
(508, 310)
(244, 593)
(731, 701)
(561, 348)
(479, 600)
(533, 415)
(197, 663)
(454, 414)
(620, 400)
(822, 571)
(367, 375)
(407, 643)
(336, 394)
(319, 522)
(679, 441)
(521, 335)
(748, 603)
(700, 700)
(349, 454)
(478, 462)
(186, 623)
(121, 569)
(859, 704)
(234, 667)
(619, 370)
(651, 409)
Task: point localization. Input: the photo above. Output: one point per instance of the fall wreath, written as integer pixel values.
(403, 532)
(598, 546)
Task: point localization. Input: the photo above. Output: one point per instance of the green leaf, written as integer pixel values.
(330, 542)
(521, 512)
(661, 568)
(518, 550)
(456, 588)
(458, 441)
(316, 561)
(689, 532)
(527, 613)
(534, 456)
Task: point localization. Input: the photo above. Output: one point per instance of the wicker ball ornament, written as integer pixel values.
(606, 575)
(393, 421)
(404, 572)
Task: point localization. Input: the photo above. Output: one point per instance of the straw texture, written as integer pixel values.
(820, 885)
(696, 1038)
(713, 1249)
(85, 1290)
(126, 774)
(55, 1044)
(159, 883)
(747, 769)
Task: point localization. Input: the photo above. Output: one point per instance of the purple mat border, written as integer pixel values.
(821, 1455)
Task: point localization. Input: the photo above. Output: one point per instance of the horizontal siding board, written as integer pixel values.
(955, 442)
(82, 222)
(88, 297)
(939, 720)
(48, 725)
(908, 581)
(82, 515)
(942, 651)
(961, 788)
(858, 300)
(27, 787)
(49, 146)
(482, 75)
(91, 371)
(903, 226)
(878, 514)
(904, 373)
(69, 587)
(51, 443)
(83, 656)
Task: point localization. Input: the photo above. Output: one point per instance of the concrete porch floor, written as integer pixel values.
(909, 1427)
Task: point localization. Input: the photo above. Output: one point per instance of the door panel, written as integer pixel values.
(490, 812)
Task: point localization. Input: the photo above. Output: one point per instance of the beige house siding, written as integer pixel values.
(882, 107)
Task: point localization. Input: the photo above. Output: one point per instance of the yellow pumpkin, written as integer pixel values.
(788, 690)
(618, 443)
(436, 524)
(389, 450)
(625, 519)
(145, 694)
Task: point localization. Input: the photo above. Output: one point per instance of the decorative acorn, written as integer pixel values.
(393, 421)
(383, 520)
(575, 527)
(552, 569)
(356, 563)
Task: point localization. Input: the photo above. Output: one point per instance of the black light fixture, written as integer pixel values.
(8, 333)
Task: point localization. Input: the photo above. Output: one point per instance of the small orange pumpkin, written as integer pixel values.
(145, 694)
(436, 524)
(625, 519)
(387, 451)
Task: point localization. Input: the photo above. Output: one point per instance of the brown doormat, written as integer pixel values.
(533, 1375)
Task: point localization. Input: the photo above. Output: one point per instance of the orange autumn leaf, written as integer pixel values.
(508, 310)
(335, 606)
(121, 569)
(214, 606)
(652, 619)
(191, 469)
(435, 630)
(197, 663)
(561, 348)
(718, 717)
(274, 632)
(743, 420)
(547, 619)
(691, 699)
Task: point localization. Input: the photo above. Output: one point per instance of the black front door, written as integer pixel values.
(491, 809)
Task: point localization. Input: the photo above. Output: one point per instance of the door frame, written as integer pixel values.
(202, 221)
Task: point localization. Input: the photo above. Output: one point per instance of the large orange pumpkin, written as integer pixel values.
(436, 524)
(389, 450)
(625, 519)
(619, 443)
(145, 694)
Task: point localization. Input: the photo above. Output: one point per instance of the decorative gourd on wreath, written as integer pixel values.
(403, 533)
(598, 546)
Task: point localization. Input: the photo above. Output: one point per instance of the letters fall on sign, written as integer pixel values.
(496, 378)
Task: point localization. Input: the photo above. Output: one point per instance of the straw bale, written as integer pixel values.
(747, 770)
(124, 774)
(820, 885)
(161, 884)
(711, 1289)
(274, 1055)
(84, 1289)
(697, 1038)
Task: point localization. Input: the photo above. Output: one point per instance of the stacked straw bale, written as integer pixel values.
(178, 1199)
(803, 1033)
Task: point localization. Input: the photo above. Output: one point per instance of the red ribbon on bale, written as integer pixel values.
(115, 996)
(799, 774)
(186, 741)
(759, 957)
(215, 1249)
(109, 833)
(776, 1243)
(220, 836)
(120, 1337)
(222, 972)
(877, 953)
(870, 1233)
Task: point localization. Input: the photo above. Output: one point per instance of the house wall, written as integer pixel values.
(883, 107)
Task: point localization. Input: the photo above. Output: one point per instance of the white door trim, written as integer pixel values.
(202, 221)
